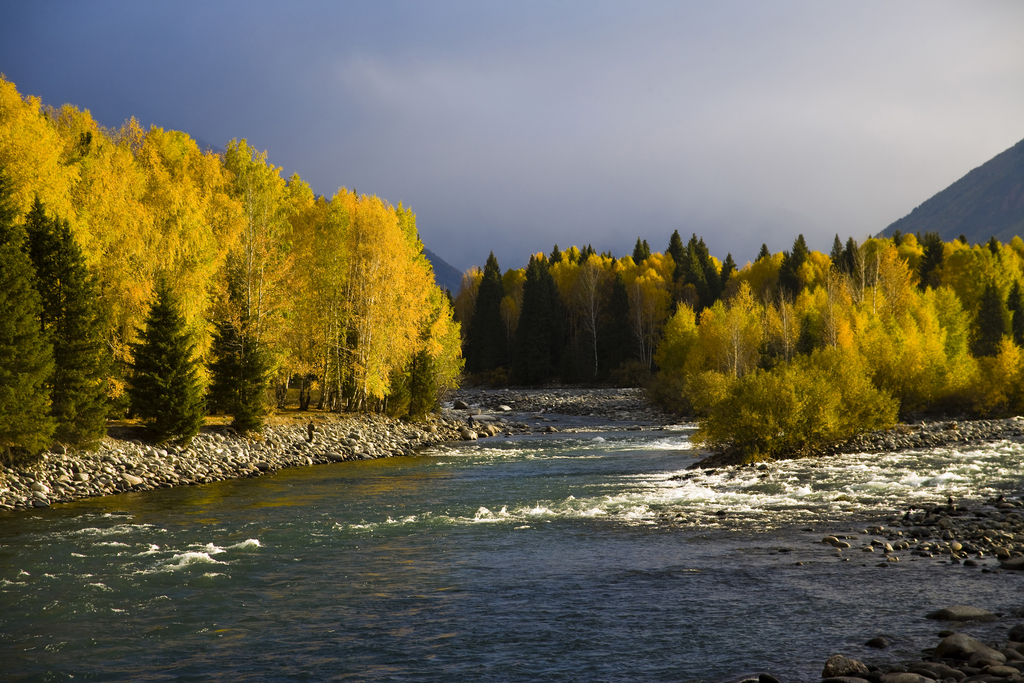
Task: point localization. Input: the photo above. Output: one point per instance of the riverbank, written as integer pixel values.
(125, 461)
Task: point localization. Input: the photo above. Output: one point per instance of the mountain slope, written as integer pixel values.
(445, 275)
(988, 201)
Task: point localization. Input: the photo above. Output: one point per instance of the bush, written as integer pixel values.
(813, 400)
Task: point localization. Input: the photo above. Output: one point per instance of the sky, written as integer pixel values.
(512, 126)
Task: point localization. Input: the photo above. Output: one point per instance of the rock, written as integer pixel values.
(844, 679)
(1013, 563)
(263, 466)
(961, 613)
(468, 435)
(82, 476)
(460, 405)
(838, 665)
(335, 457)
(907, 677)
(41, 488)
(835, 542)
(1017, 633)
(767, 678)
(878, 642)
(938, 671)
(962, 646)
(1001, 670)
(131, 479)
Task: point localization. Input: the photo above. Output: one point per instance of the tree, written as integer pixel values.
(837, 252)
(764, 253)
(164, 387)
(26, 359)
(991, 322)
(70, 320)
(931, 262)
(239, 373)
(789, 272)
(641, 252)
(486, 348)
(534, 362)
(1015, 304)
(728, 268)
(678, 253)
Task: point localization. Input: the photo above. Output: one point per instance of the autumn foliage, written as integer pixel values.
(332, 294)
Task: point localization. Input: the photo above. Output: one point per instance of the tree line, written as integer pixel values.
(791, 351)
(126, 251)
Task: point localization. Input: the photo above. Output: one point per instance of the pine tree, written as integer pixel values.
(534, 362)
(728, 268)
(837, 253)
(26, 360)
(764, 253)
(70, 319)
(789, 271)
(486, 349)
(641, 252)
(615, 339)
(931, 260)
(164, 387)
(991, 322)
(1015, 304)
(678, 253)
(239, 370)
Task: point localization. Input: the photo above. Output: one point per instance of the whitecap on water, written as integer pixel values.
(182, 560)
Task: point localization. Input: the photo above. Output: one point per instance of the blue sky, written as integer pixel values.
(513, 126)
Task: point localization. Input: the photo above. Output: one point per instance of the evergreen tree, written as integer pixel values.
(764, 253)
(678, 253)
(556, 255)
(837, 253)
(991, 323)
(931, 260)
(789, 271)
(615, 340)
(535, 337)
(1015, 304)
(70, 319)
(728, 268)
(853, 263)
(26, 360)
(994, 246)
(641, 252)
(487, 347)
(897, 237)
(240, 368)
(164, 387)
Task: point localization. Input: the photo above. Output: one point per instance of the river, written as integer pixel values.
(543, 558)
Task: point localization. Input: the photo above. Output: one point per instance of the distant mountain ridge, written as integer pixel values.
(987, 202)
(445, 275)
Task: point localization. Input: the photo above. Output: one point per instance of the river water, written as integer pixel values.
(542, 558)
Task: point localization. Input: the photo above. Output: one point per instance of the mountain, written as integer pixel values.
(445, 275)
(988, 201)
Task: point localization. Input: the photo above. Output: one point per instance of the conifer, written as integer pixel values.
(26, 360)
(487, 348)
(1015, 304)
(70, 319)
(678, 253)
(837, 253)
(931, 260)
(533, 362)
(164, 387)
(641, 252)
(789, 271)
(728, 268)
(764, 253)
(991, 322)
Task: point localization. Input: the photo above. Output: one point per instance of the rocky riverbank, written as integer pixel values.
(125, 462)
(959, 433)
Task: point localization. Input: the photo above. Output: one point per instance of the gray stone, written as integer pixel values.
(131, 479)
(838, 665)
(907, 677)
(959, 646)
(1017, 633)
(1013, 563)
(878, 642)
(961, 613)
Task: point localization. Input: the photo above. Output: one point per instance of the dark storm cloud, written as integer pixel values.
(511, 127)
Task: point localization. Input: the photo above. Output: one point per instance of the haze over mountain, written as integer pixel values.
(445, 275)
(987, 202)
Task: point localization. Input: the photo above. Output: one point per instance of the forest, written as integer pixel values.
(142, 276)
(793, 351)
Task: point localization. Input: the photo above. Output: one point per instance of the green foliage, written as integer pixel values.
(811, 401)
(487, 347)
(641, 252)
(678, 252)
(239, 377)
(164, 387)
(536, 337)
(1015, 305)
(991, 322)
(931, 262)
(789, 273)
(71, 321)
(26, 360)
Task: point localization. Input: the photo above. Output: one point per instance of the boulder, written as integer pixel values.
(838, 665)
(1013, 563)
(131, 479)
(961, 613)
(460, 405)
(878, 642)
(1017, 633)
(962, 646)
(907, 677)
